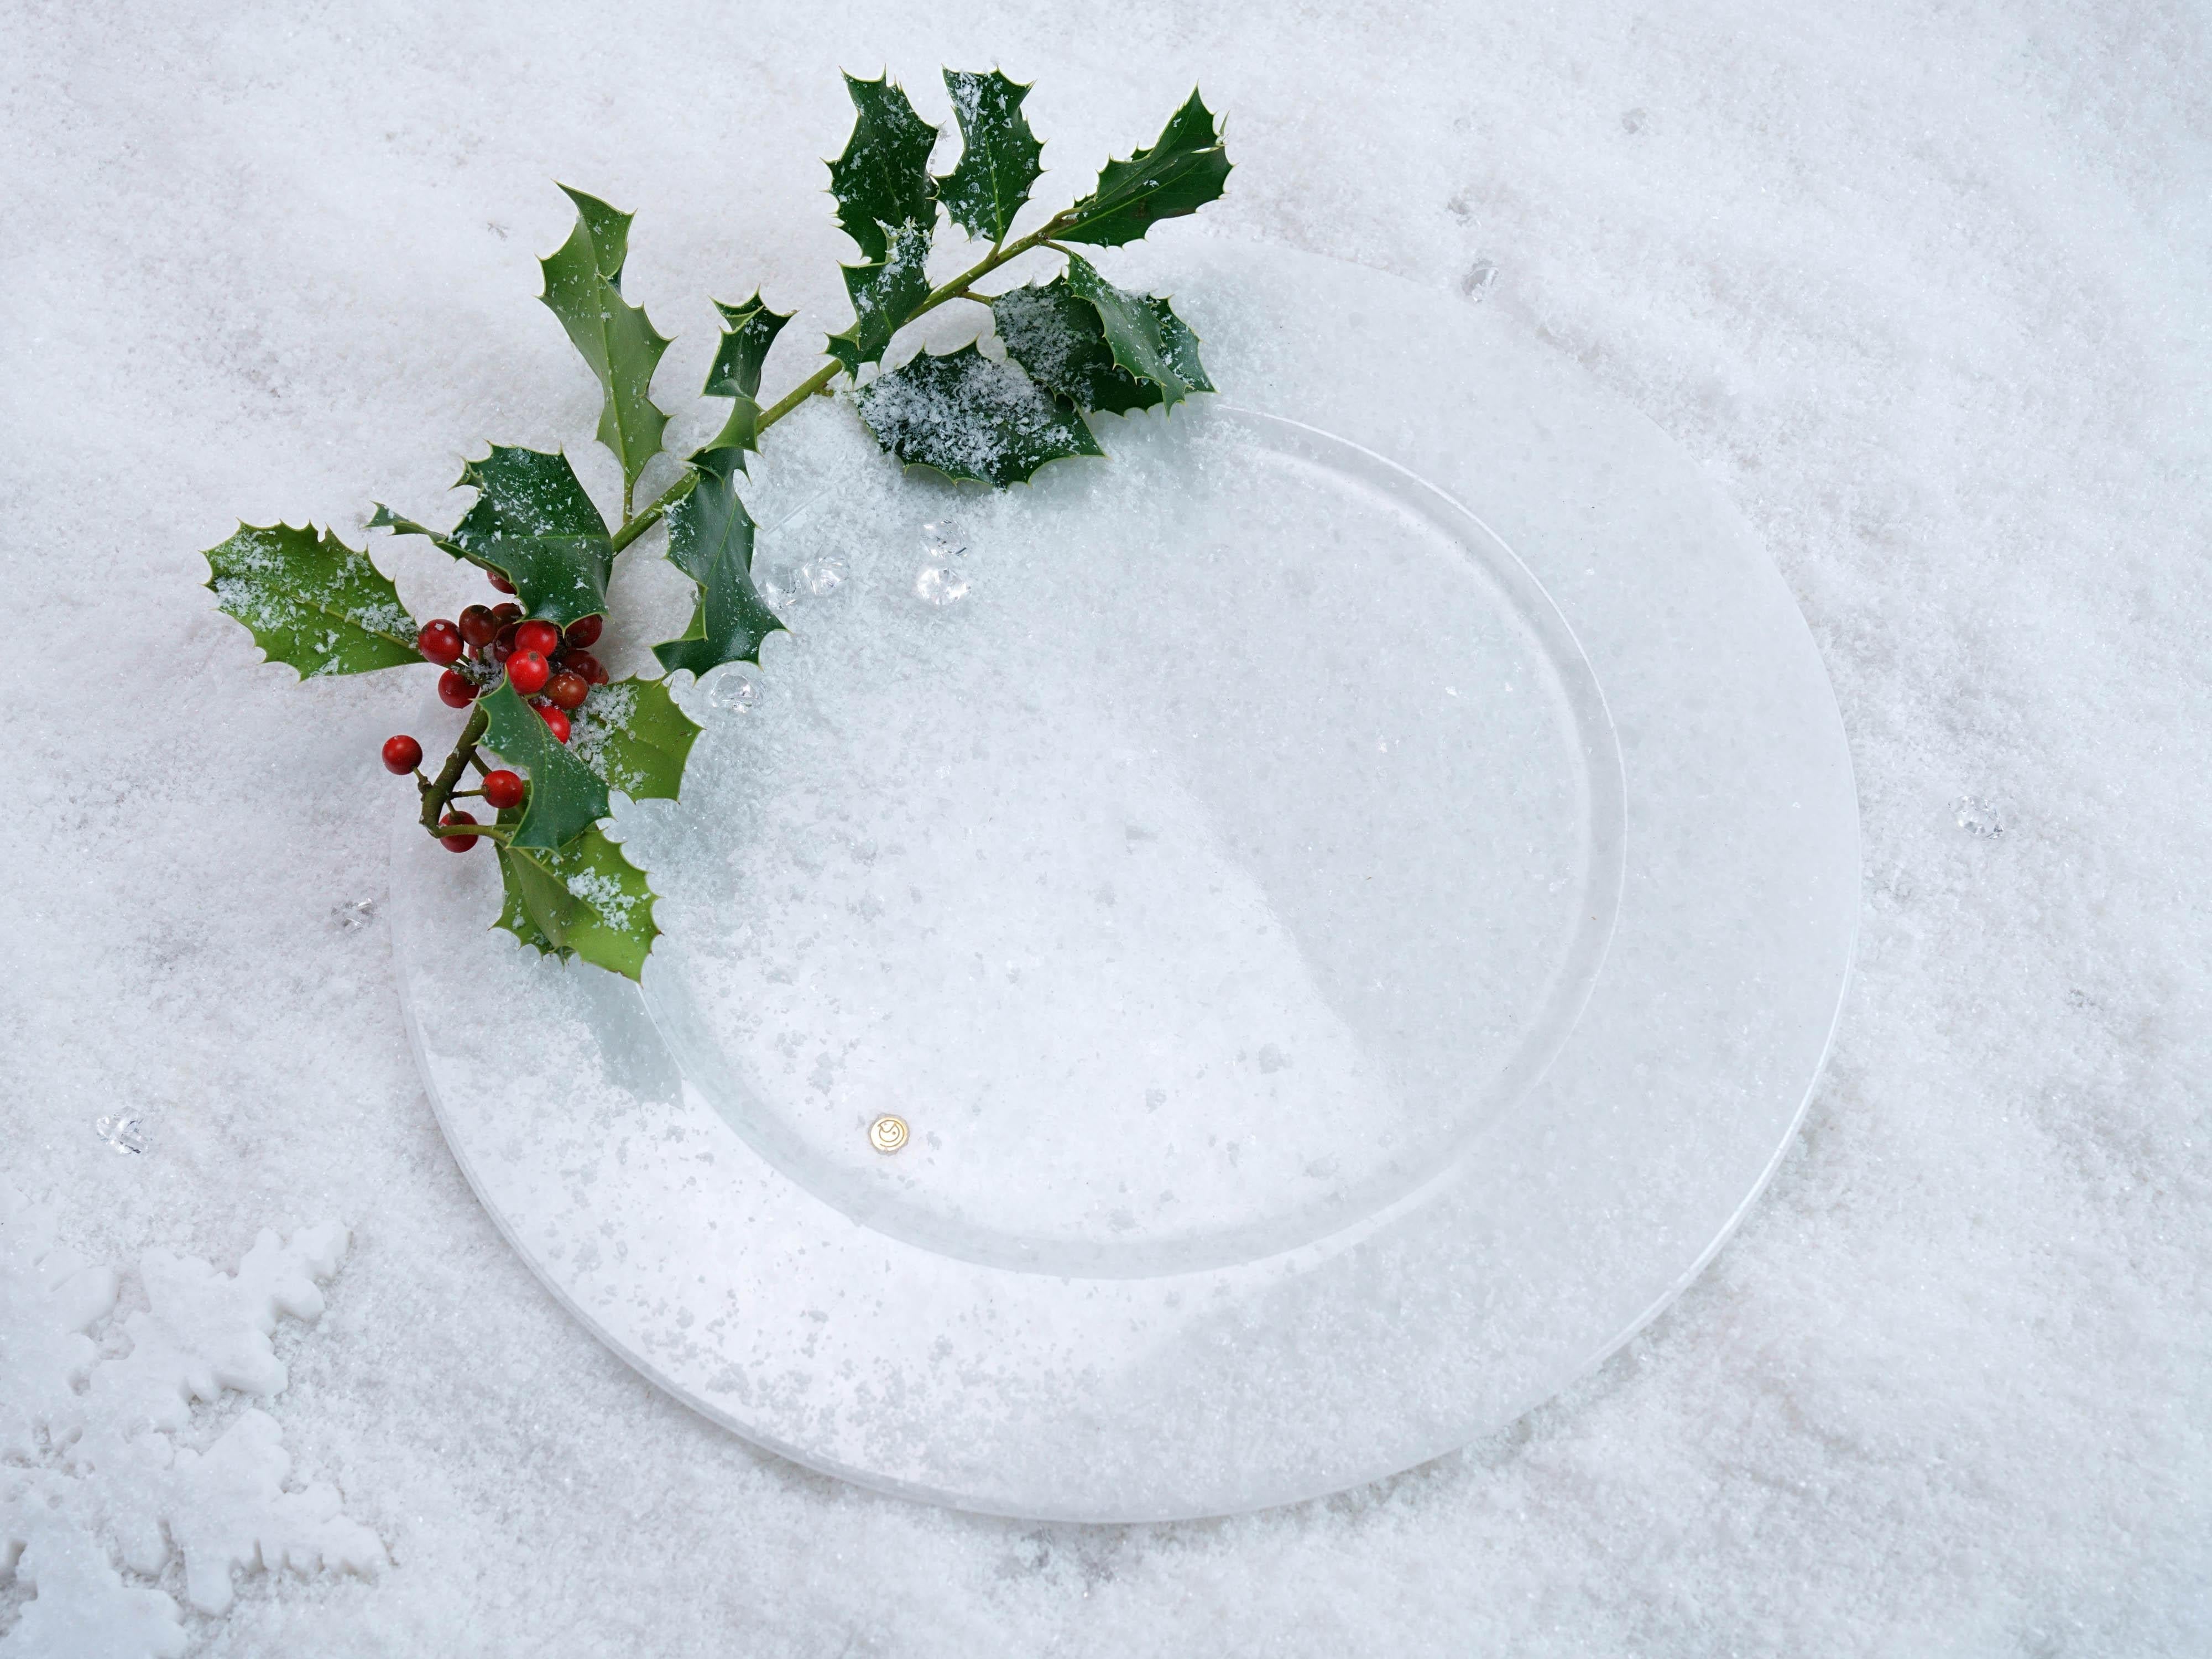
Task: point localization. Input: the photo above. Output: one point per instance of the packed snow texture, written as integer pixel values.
(1923, 288)
(97, 1415)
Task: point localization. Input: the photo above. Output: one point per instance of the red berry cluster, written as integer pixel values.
(554, 669)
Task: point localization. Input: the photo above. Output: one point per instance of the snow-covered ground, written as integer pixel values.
(1926, 289)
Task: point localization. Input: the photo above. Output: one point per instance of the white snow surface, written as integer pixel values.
(1925, 288)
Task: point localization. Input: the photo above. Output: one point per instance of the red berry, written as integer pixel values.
(502, 644)
(402, 755)
(557, 722)
(500, 581)
(569, 689)
(502, 789)
(527, 672)
(539, 636)
(478, 625)
(456, 690)
(583, 663)
(505, 613)
(440, 641)
(459, 844)
(586, 632)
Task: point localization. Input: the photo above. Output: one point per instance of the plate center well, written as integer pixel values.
(1195, 849)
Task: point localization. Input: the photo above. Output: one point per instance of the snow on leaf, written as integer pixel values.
(883, 296)
(882, 180)
(1131, 328)
(998, 156)
(586, 898)
(632, 735)
(1059, 335)
(969, 418)
(311, 601)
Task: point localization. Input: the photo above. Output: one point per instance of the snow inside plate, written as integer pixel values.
(1195, 853)
(1348, 917)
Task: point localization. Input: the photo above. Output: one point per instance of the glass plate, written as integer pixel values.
(1347, 919)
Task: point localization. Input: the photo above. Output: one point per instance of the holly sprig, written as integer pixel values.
(550, 739)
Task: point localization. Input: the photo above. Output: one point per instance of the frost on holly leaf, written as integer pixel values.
(1058, 331)
(969, 418)
(631, 735)
(311, 601)
(94, 1485)
(585, 899)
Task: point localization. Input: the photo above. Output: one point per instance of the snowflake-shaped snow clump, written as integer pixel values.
(92, 1479)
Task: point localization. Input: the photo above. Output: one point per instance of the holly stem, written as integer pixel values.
(438, 792)
(818, 382)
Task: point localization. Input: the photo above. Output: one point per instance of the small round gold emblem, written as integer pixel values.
(887, 1134)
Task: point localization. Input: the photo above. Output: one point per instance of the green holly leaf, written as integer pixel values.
(584, 898)
(1184, 170)
(534, 525)
(882, 180)
(1060, 339)
(1132, 330)
(737, 371)
(614, 336)
(513, 914)
(998, 156)
(566, 796)
(751, 330)
(884, 297)
(710, 539)
(634, 737)
(969, 418)
(311, 601)
(608, 228)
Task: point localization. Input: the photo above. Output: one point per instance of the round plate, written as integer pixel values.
(1217, 976)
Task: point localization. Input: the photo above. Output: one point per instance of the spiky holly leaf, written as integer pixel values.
(1132, 330)
(736, 371)
(615, 337)
(998, 155)
(1185, 168)
(311, 601)
(632, 735)
(751, 330)
(884, 297)
(515, 915)
(566, 796)
(882, 180)
(585, 897)
(710, 539)
(1060, 339)
(609, 233)
(969, 418)
(533, 524)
